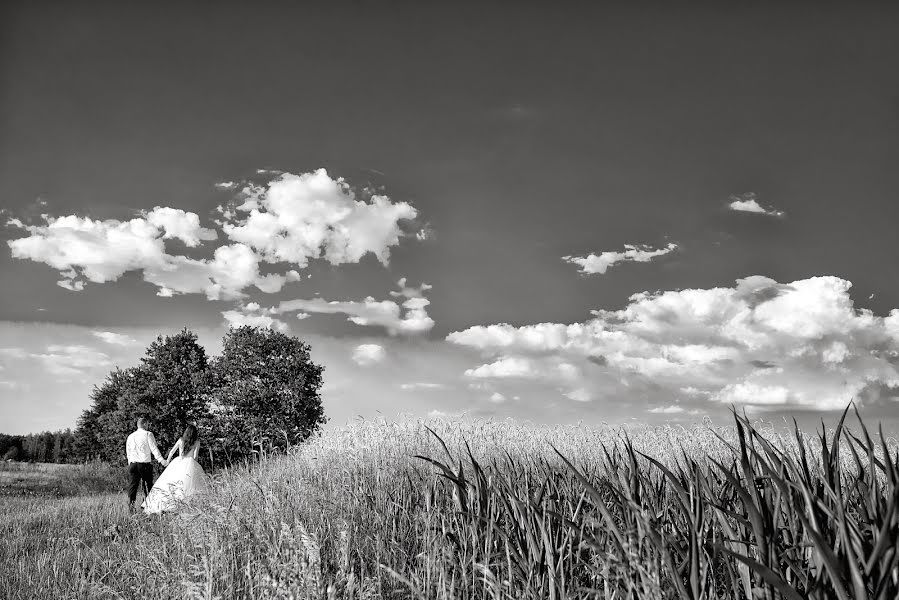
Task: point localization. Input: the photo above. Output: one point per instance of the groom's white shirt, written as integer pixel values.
(141, 447)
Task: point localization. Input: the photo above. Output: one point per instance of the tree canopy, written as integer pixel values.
(262, 392)
(266, 392)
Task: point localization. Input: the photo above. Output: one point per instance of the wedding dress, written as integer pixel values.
(181, 479)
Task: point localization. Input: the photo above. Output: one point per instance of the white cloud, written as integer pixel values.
(749, 203)
(226, 185)
(367, 355)
(579, 395)
(253, 316)
(408, 317)
(100, 251)
(760, 343)
(497, 398)
(601, 263)
(71, 360)
(507, 366)
(672, 409)
(292, 219)
(118, 339)
(177, 224)
(421, 386)
(295, 218)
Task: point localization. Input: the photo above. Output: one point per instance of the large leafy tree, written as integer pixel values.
(94, 435)
(266, 393)
(175, 386)
(171, 386)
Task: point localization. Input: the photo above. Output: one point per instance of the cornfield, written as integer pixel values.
(495, 510)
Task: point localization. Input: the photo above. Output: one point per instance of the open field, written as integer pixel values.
(726, 513)
(50, 479)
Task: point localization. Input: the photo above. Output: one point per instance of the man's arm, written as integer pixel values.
(155, 450)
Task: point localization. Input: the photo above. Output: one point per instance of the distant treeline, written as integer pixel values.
(47, 446)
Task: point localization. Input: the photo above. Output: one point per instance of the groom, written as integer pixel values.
(139, 446)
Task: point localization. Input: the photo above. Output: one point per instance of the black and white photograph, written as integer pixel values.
(360, 300)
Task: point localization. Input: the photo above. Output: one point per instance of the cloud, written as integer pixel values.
(366, 355)
(497, 398)
(254, 316)
(180, 225)
(16, 353)
(579, 395)
(671, 409)
(505, 367)
(71, 360)
(102, 251)
(407, 317)
(118, 339)
(422, 386)
(600, 264)
(749, 203)
(292, 219)
(759, 343)
(295, 218)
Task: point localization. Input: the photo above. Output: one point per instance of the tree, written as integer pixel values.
(94, 436)
(176, 385)
(171, 387)
(266, 393)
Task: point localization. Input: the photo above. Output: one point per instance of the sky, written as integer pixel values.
(551, 212)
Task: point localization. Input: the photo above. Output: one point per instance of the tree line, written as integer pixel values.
(47, 446)
(261, 394)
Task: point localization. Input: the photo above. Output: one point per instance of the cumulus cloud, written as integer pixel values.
(117, 339)
(759, 343)
(749, 203)
(292, 219)
(366, 355)
(505, 367)
(180, 225)
(254, 316)
(295, 218)
(101, 251)
(407, 317)
(497, 398)
(601, 263)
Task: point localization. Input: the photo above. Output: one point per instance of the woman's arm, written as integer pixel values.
(177, 446)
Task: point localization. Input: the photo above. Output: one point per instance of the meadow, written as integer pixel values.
(491, 510)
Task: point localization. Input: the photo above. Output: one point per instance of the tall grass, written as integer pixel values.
(493, 510)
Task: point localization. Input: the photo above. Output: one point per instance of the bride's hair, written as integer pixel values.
(190, 437)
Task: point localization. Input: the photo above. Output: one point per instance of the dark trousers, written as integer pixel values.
(139, 473)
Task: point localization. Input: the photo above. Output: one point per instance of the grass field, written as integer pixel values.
(491, 510)
(49, 479)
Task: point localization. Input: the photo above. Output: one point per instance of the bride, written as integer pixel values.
(182, 478)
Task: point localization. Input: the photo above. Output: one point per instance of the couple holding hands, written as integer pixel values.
(183, 476)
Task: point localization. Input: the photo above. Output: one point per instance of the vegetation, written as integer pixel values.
(49, 479)
(47, 446)
(262, 391)
(265, 395)
(489, 510)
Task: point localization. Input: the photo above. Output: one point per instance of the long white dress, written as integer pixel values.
(183, 478)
